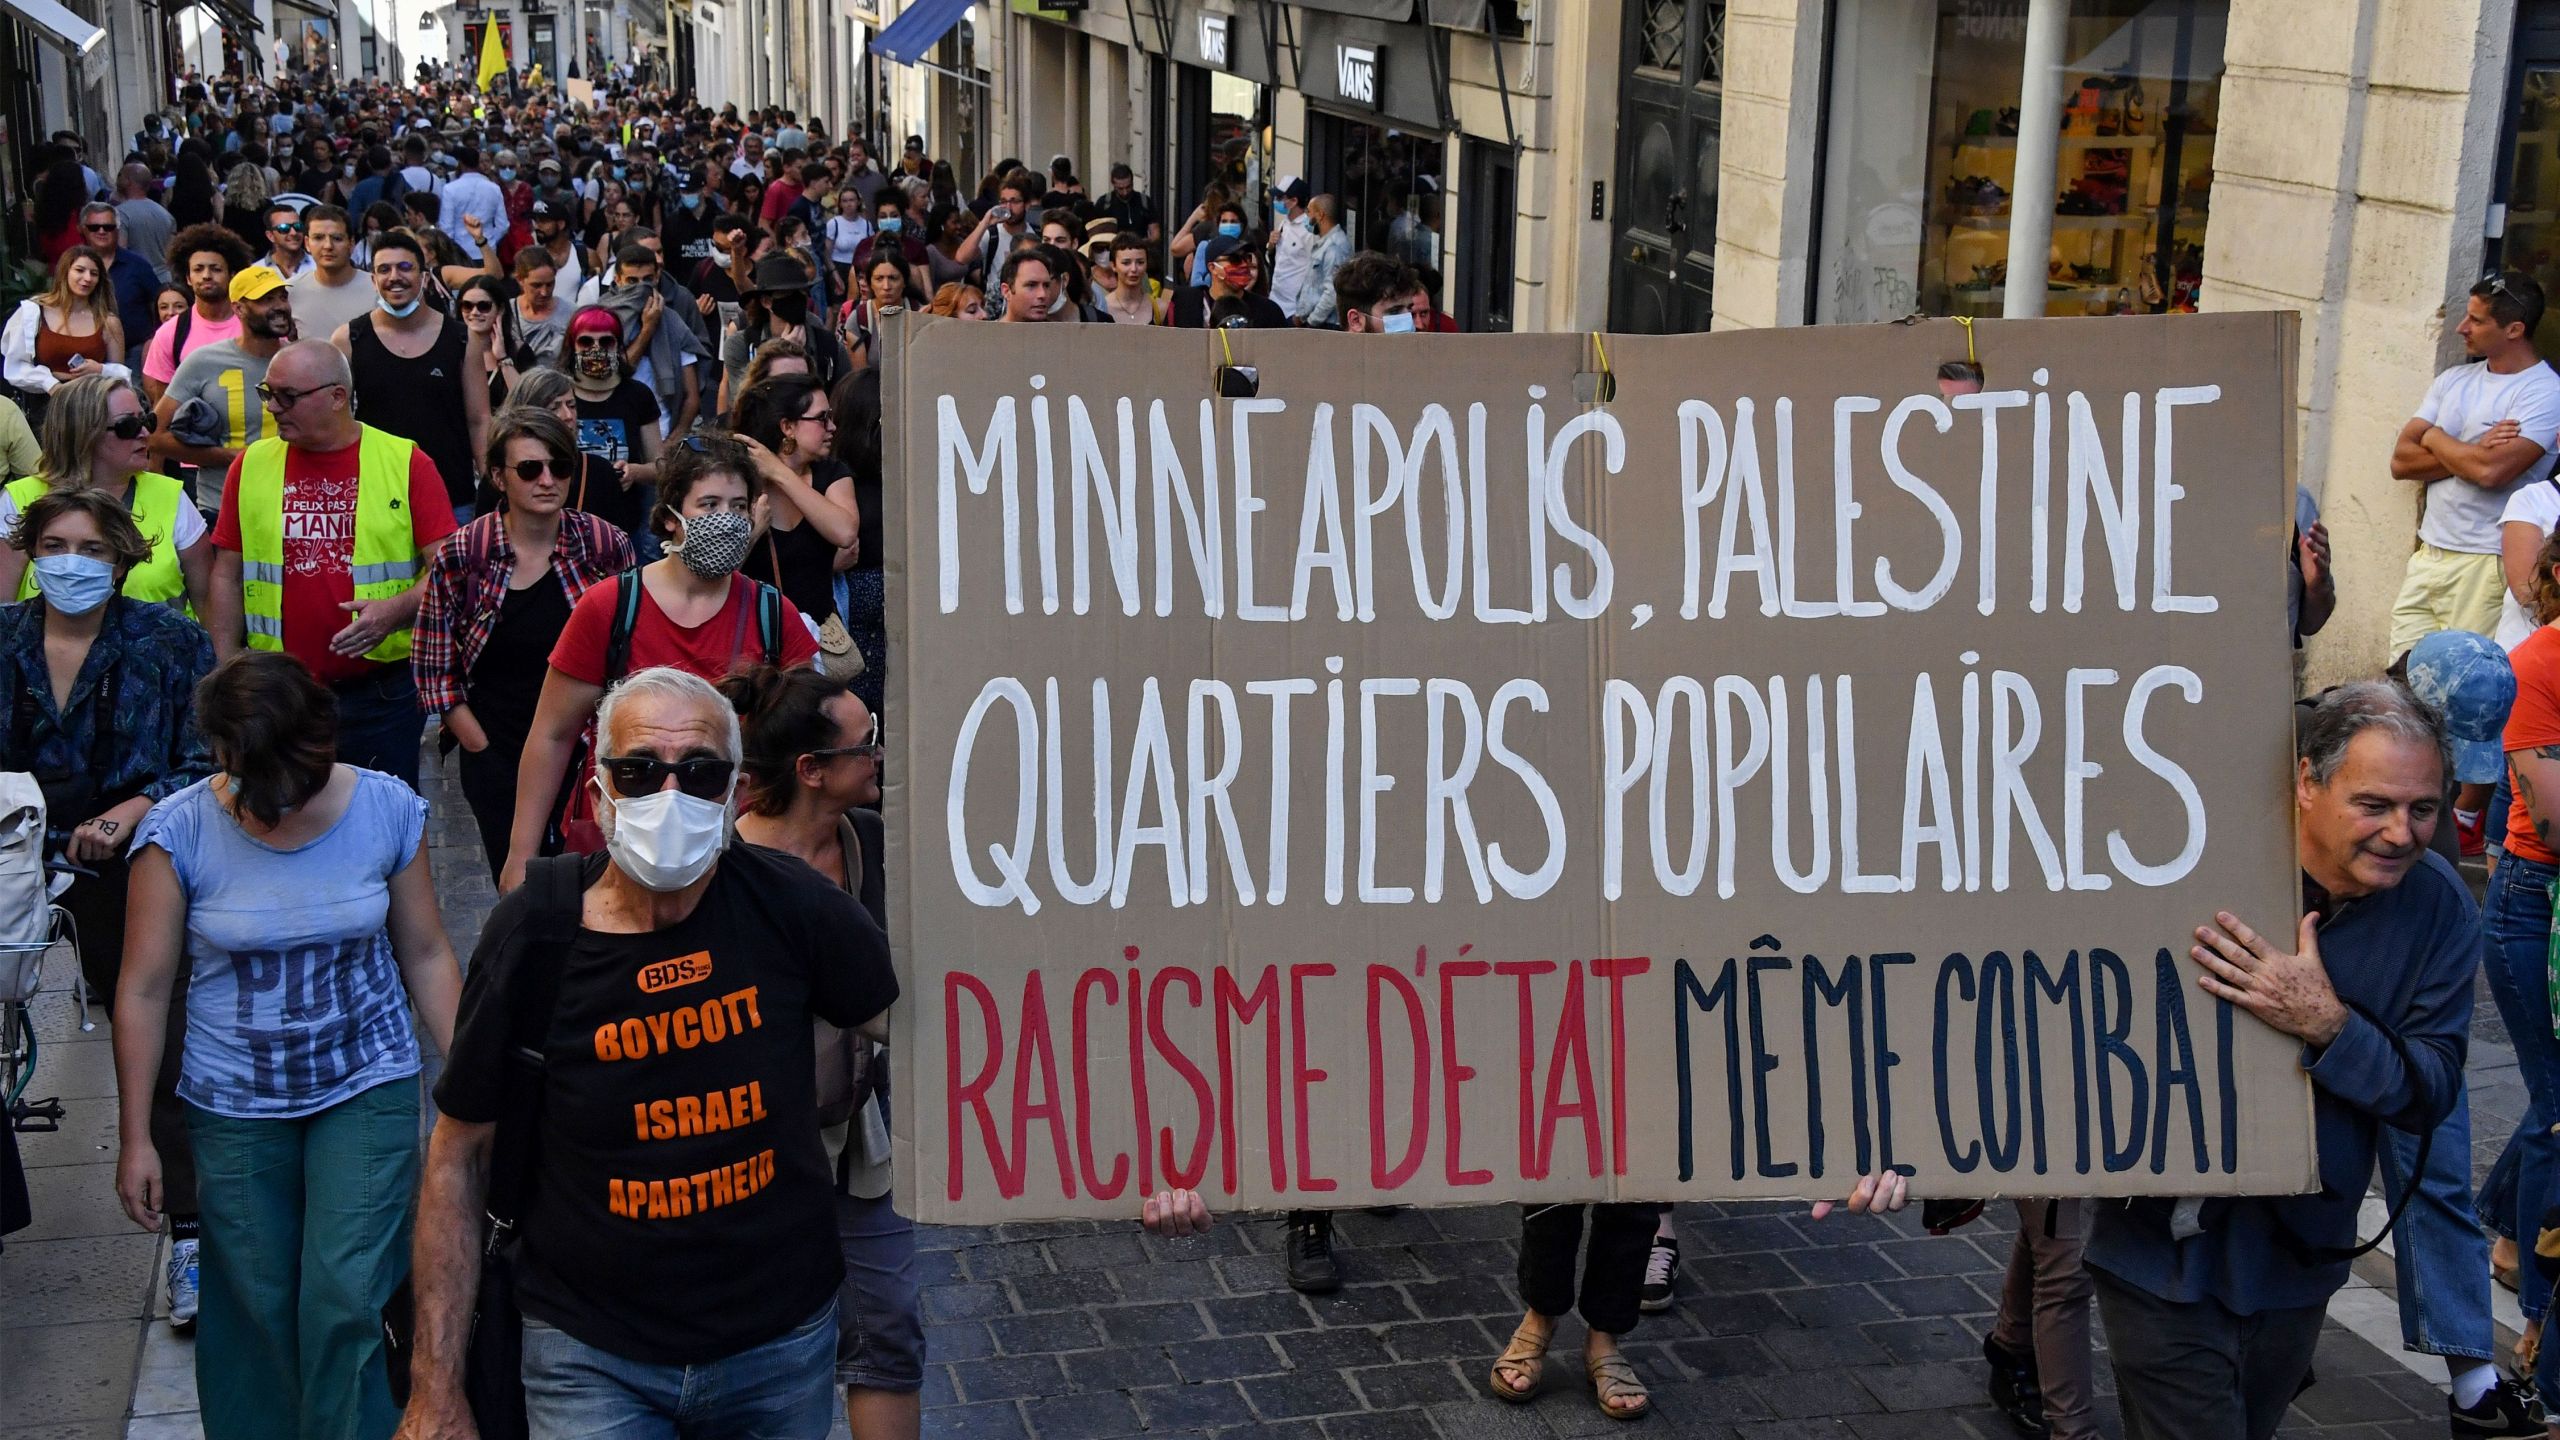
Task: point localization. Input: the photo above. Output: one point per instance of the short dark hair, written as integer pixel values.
(398, 240)
(771, 403)
(269, 214)
(1960, 372)
(1026, 255)
(636, 254)
(1128, 240)
(1121, 171)
(782, 715)
(196, 239)
(314, 214)
(2514, 297)
(1369, 279)
(125, 539)
(272, 728)
(467, 157)
(527, 422)
(692, 460)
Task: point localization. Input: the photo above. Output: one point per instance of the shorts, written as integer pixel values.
(2446, 590)
(879, 1330)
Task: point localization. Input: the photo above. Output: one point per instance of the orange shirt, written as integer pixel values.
(2534, 721)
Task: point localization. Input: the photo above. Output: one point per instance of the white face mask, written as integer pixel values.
(666, 839)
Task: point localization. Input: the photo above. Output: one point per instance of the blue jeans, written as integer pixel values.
(2527, 1177)
(378, 721)
(781, 1390)
(2438, 1252)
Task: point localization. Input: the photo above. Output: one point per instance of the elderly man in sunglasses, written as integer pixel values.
(679, 1256)
(321, 549)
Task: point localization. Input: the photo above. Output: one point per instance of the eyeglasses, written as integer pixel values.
(477, 307)
(133, 427)
(280, 400)
(824, 417)
(596, 342)
(702, 777)
(871, 751)
(529, 471)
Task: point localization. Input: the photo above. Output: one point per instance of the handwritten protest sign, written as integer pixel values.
(1457, 774)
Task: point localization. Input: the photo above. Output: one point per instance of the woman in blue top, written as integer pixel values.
(297, 890)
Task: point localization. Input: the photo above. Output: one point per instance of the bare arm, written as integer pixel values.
(445, 1266)
(152, 940)
(2519, 541)
(558, 719)
(839, 527)
(346, 347)
(2491, 463)
(842, 493)
(418, 942)
(13, 568)
(691, 405)
(2411, 460)
(2537, 777)
(195, 566)
(222, 604)
(475, 388)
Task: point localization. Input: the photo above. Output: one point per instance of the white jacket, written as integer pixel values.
(18, 353)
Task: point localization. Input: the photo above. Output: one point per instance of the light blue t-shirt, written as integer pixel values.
(294, 1002)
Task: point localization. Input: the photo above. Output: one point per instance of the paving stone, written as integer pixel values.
(1754, 1315)
(63, 1374)
(69, 1282)
(1001, 1421)
(1362, 1305)
(958, 1340)
(1729, 1355)
(1935, 1338)
(1808, 1396)
(1934, 1386)
(1488, 1419)
(1440, 1339)
(1119, 1367)
(1152, 1324)
(1469, 1295)
(1725, 1274)
(1098, 1252)
(1332, 1349)
(998, 1262)
(1299, 1394)
(972, 1301)
(1263, 1314)
(1467, 1258)
(1396, 1387)
(1934, 1295)
(1045, 1333)
(1189, 1280)
(1086, 1417)
(1198, 1406)
(1062, 1292)
(1008, 1377)
(1382, 1425)
(1226, 1358)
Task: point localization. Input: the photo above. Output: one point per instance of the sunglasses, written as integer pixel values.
(597, 342)
(703, 777)
(529, 471)
(280, 399)
(289, 227)
(107, 229)
(133, 427)
(478, 307)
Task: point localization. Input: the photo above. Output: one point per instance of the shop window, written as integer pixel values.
(1490, 204)
(1922, 146)
(1390, 184)
(1666, 33)
(2530, 188)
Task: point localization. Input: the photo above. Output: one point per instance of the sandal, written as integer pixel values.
(1613, 1377)
(1526, 1360)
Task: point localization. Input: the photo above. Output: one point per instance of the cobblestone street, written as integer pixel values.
(1852, 1327)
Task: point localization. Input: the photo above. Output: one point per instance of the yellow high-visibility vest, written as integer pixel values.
(156, 499)
(385, 562)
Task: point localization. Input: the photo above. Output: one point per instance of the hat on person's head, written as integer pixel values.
(778, 275)
(2467, 679)
(1293, 187)
(547, 163)
(255, 283)
(1217, 250)
(545, 210)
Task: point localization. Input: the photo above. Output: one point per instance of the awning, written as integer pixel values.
(920, 28)
(232, 16)
(77, 39)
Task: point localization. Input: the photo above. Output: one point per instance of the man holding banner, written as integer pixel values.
(2213, 1307)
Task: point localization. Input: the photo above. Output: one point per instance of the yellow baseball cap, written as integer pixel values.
(255, 283)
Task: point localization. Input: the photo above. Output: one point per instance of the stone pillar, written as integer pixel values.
(2351, 179)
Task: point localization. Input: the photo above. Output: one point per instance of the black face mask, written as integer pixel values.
(789, 309)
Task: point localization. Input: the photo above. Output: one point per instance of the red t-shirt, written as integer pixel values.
(709, 650)
(320, 546)
(779, 197)
(2534, 720)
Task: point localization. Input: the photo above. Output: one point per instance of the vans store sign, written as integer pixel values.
(1213, 40)
(1358, 75)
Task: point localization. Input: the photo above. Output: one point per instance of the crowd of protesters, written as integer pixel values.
(347, 408)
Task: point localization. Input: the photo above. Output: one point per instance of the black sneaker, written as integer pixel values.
(1312, 1270)
(1661, 1273)
(2014, 1386)
(2505, 1410)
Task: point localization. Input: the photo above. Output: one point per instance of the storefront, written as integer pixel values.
(1212, 108)
(1921, 149)
(1377, 130)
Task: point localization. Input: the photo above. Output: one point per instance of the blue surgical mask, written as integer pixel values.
(892, 225)
(74, 584)
(400, 312)
(619, 171)
(1395, 324)
(1230, 229)
(504, 173)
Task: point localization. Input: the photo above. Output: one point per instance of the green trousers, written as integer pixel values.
(306, 1234)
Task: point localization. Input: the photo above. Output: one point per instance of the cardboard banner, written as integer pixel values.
(1476, 769)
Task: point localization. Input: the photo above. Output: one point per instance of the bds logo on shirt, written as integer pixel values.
(668, 974)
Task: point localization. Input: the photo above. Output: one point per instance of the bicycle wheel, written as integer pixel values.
(17, 1056)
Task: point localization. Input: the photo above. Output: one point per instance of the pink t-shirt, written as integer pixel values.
(158, 363)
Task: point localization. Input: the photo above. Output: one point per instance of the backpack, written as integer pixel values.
(26, 904)
(573, 827)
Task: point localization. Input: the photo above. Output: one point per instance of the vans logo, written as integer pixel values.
(1213, 40)
(668, 974)
(1355, 74)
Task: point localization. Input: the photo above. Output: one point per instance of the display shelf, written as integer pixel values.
(2143, 221)
(2068, 142)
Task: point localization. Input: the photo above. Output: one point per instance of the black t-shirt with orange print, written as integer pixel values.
(682, 1208)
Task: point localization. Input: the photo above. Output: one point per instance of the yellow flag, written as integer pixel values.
(493, 55)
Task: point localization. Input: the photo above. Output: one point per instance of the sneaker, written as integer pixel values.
(2503, 1411)
(2014, 1387)
(1312, 1270)
(1661, 1271)
(2474, 834)
(183, 1276)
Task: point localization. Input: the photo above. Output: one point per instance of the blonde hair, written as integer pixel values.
(101, 303)
(245, 187)
(75, 417)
